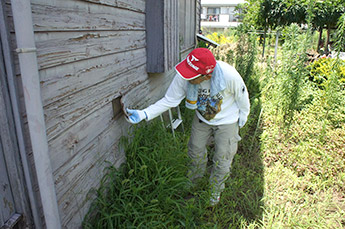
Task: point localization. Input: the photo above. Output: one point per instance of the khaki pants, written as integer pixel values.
(226, 138)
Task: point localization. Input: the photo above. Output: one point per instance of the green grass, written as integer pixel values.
(151, 189)
(282, 176)
(304, 172)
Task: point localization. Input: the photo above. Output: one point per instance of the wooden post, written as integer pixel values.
(320, 39)
(276, 46)
(263, 45)
(327, 41)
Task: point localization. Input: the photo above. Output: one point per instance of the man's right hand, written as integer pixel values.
(135, 116)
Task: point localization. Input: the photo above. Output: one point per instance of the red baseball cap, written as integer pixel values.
(199, 62)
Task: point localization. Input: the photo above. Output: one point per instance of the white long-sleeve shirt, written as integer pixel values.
(227, 107)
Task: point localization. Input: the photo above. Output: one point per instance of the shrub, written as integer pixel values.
(321, 69)
(219, 38)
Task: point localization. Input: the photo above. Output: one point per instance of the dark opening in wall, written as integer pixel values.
(117, 108)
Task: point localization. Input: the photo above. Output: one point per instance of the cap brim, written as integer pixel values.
(185, 71)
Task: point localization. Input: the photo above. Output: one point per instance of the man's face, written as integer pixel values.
(200, 79)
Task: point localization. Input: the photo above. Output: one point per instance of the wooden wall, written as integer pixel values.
(89, 53)
(187, 24)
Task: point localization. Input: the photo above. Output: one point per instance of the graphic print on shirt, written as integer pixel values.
(208, 106)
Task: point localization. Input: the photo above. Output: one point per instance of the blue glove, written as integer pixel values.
(135, 116)
(242, 121)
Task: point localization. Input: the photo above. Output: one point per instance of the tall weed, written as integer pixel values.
(246, 52)
(291, 74)
(304, 164)
(332, 99)
(149, 189)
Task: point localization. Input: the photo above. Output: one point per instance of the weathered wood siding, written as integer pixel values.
(171, 35)
(14, 196)
(187, 26)
(89, 53)
(7, 150)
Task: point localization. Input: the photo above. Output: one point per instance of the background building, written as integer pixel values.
(219, 14)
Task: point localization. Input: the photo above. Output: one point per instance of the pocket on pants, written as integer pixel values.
(233, 146)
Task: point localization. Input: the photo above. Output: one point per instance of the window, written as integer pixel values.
(224, 10)
(213, 14)
(212, 10)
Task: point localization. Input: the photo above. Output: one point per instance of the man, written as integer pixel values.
(218, 94)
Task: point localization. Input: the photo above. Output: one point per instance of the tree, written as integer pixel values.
(326, 15)
(270, 14)
(340, 43)
(321, 14)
